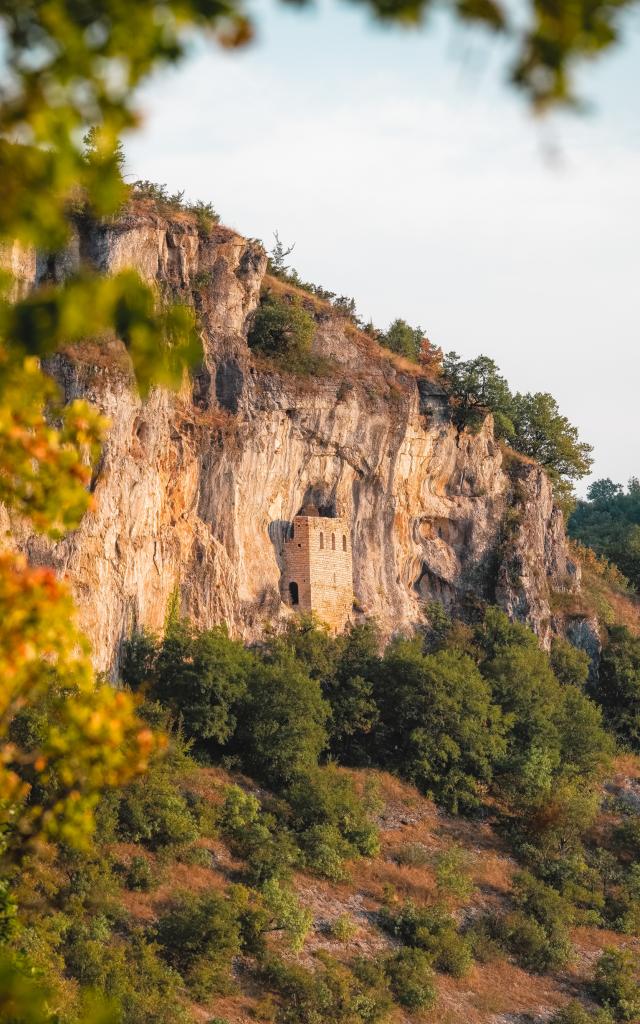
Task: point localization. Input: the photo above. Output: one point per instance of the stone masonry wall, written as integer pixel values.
(318, 559)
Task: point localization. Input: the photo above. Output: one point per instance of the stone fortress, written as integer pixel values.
(318, 570)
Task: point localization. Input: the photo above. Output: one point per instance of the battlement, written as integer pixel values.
(318, 568)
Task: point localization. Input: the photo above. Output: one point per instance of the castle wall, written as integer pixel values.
(318, 561)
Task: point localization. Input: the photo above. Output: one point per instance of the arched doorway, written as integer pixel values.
(293, 593)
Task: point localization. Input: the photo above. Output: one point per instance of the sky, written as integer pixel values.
(410, 177)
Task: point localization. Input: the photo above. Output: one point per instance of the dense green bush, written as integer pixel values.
(199, 934)
(616, 985)
(139, 875)
(618, 686)
(403, 339)
(345, 665)
(575, 1013)
(554, 729)
(570, 664)
(411, 978)
(283, 330)
(438, 725)
(536, 932)
(153, 811)
(282, 725)
(433, 930)
(332, 994)
(201, 675)
(266, 844)
(452, 873)
(140, 986)
(609, 522)
(528, 941)
(328, 812)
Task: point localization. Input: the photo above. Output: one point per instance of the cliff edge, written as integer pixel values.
(195, 491)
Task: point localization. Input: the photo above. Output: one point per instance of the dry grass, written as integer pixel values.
(495, 993)
(323, 310)
(602, 594)
(493, 989)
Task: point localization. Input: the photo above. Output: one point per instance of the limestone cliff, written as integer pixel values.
(195, 491)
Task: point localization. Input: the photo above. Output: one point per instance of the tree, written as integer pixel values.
(277, 257)
(282, 722)
(438, 725)
(618, 687)
(201, 675)
(544, 434)
(570, 664)
(403, 339)
(477, 388)
(609, 522)
(430, 358)
(604, 491)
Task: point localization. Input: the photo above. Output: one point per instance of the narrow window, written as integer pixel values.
(333, 542)
(293, 593)
(321, 540)
(344, 542)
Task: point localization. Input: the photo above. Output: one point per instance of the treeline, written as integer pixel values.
(609, 522)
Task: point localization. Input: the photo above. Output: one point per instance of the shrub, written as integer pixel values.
(618, 688)
(283, 330)
(153, 811)
(553, 728)
(325, 851)
(627, 836)
(628, 902)
(433, 930)
(452, 873)
(139, 875)
(413, 855)
(267, 845)
(411, 978)
(570, 664)
(575, 1013)
(286, 913)
(537, 933)
(527, 940)
(343, 928)
(199, 936)
(615, 983)
(205, 214)
(332, 995)
(332, 820)
(482, 936)
(403, 339)
(199, 674)
(141, 988)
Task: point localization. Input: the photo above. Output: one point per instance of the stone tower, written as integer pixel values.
(318, 570)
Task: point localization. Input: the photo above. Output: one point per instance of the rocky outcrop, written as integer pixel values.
(195, 491)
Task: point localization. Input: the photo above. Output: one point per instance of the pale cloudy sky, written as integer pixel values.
(411, 178)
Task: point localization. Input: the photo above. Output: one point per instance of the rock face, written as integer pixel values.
(196, 491)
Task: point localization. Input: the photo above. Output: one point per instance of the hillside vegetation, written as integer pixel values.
(448, 829)
(608, 521)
